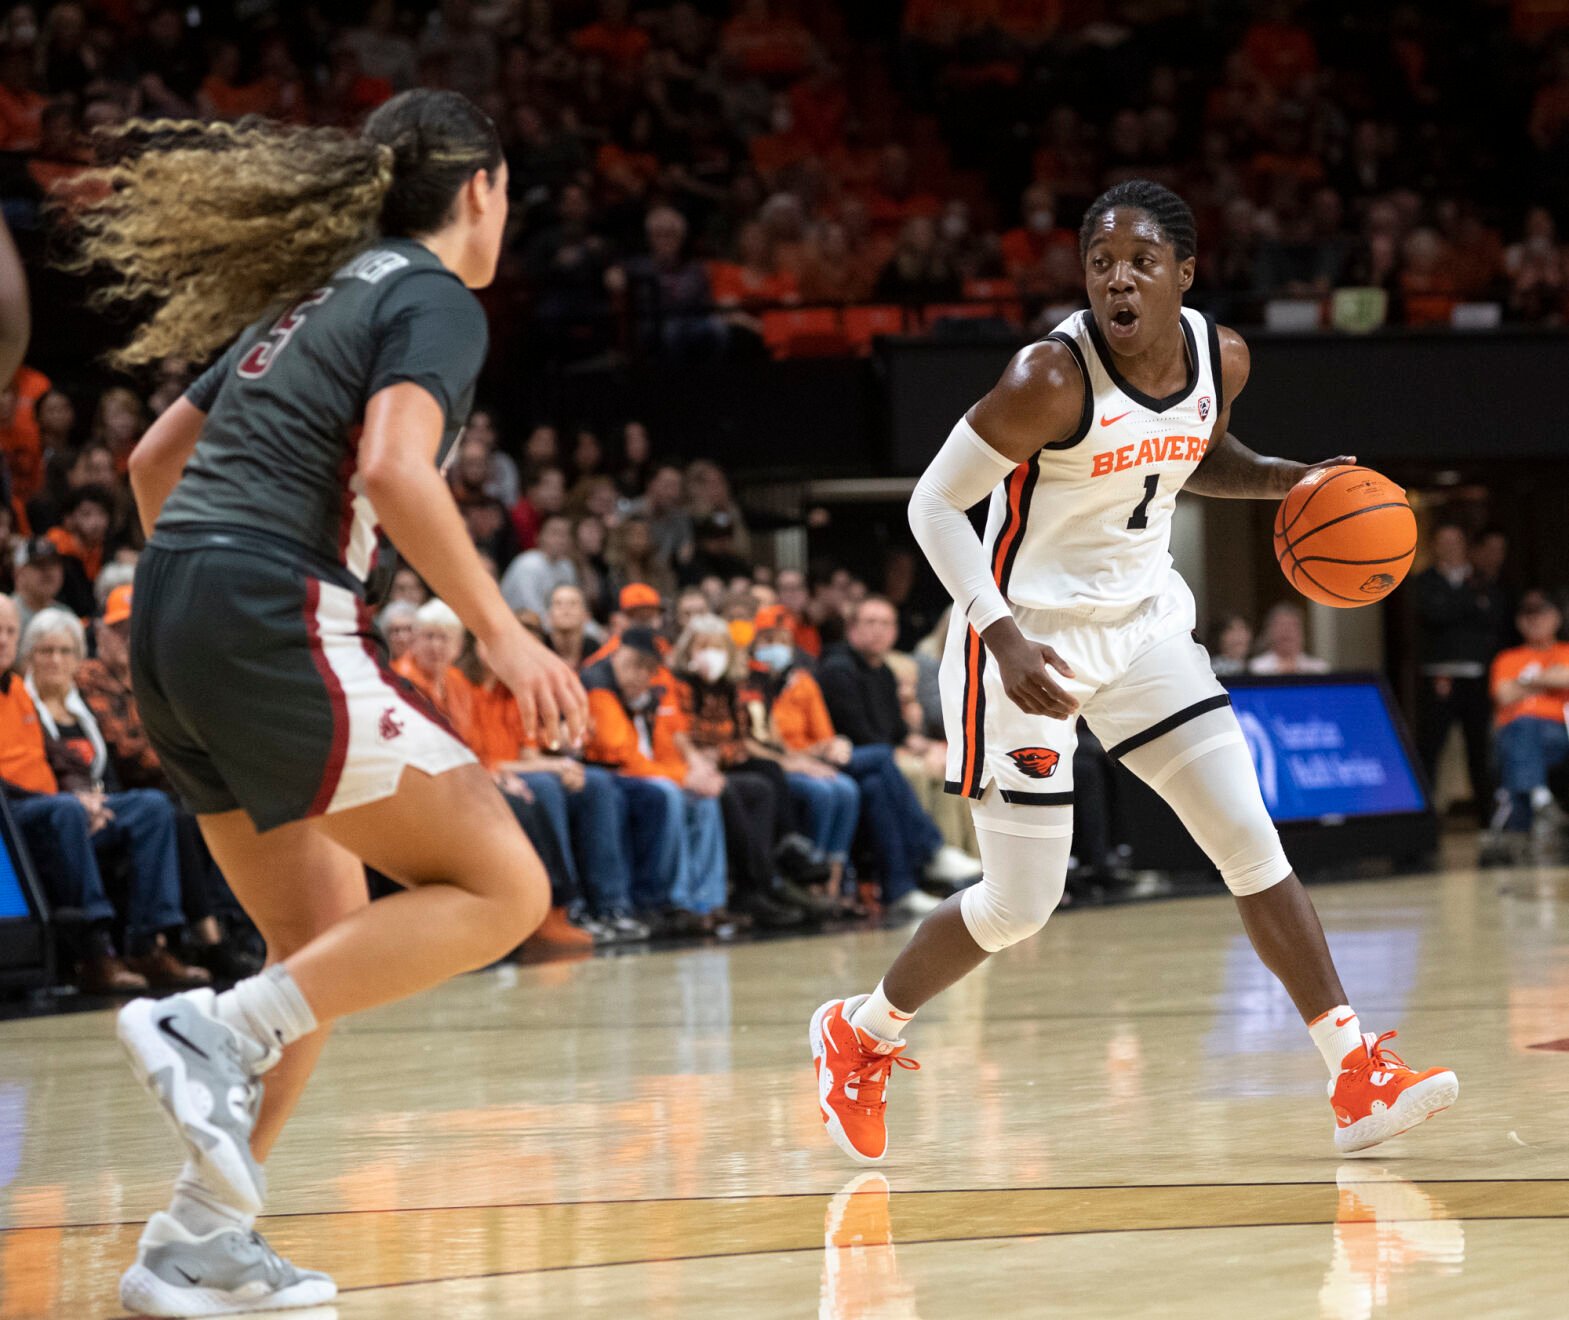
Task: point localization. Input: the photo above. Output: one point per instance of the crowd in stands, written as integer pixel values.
(683, 170)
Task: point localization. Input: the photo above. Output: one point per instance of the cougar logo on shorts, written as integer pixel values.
(389, 726)
(1036, 762)
(1378, 584)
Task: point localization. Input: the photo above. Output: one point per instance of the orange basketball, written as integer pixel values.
(1345, 536)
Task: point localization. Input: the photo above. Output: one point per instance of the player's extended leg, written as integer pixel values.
(856, 1042)
(1202, 769)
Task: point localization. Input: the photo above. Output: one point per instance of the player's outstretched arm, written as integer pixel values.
(403, 429)
(1230, 470)
(1037, 402)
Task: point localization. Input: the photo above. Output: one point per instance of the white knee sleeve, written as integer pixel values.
(1024, 866)
(1203, 771)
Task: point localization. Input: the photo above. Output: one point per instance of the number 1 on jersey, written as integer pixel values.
(1141, 517)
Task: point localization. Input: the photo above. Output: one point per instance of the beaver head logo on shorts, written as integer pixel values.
(1036, 762)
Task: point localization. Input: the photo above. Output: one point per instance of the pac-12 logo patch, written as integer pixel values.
(1036, 762)
(1204, 408)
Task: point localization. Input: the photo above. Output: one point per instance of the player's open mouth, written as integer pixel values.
(1124, 322)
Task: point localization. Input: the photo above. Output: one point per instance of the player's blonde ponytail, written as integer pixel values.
(214, 224)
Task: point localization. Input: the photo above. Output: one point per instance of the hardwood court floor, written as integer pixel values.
(1121, 1118)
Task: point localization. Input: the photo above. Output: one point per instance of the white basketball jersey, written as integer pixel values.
(1086, 523)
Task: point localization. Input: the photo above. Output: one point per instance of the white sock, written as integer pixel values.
(880, 1018)
(267, 1008)
(201, 1210)
(1336, 1033)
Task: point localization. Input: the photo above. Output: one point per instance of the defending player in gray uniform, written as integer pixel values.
(344, 264)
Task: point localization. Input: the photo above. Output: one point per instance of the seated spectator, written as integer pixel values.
(431, 667)
(1233, 641)
(669, 521)
(621, 43)
(408, 586)
(80, 539)
(1530, 687)
(758, 809)
(585, 805)
(794, 719)
(589, 539)
(833, 271)
(119, 421)
(633, 557)
(566, 265)
(637, 460)
(397, 625)
(22, 441)
(790, 583)
(1025, 247)
(90, 466)
(534, 574)
(56, 768)
(502, 481)
(40, 575)
(754, 281)
(571, 632)
(863, 701)
(668, 294)
(1285, 637)
(545, 493)
(920, 270)
(714, 551)
(633, 729)
(1537, 271)
(105, 684)
(487, 518)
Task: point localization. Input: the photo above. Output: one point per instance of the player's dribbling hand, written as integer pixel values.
(1025, 669)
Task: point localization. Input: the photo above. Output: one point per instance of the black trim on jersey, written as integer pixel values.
(1108, 360)
(1214, 363)
(979, 777)
(1168, 724)
(1031, 480)
(1087, 413)
(1016, 799)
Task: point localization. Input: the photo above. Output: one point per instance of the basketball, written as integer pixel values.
(1345, 536)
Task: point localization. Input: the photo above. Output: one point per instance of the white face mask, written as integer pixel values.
(710, 664)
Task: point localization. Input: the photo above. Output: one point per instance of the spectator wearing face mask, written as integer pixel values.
(787, 710)
(633, 730)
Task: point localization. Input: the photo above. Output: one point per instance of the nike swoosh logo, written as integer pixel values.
(166, 1025)
(1340, 1022)
(1107, 421)
(192, 1279)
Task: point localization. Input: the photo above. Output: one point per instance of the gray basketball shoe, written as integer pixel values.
(222, 1273)
(206, 1079)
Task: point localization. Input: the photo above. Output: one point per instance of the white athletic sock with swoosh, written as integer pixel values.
(1336, 1033)
(880, 1017)
(269, 1008)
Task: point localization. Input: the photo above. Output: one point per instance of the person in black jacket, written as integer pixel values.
(1461, 619)
(862, 696)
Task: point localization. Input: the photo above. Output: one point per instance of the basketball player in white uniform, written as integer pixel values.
(1071, 607)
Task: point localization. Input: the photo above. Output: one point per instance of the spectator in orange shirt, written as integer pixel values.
(792, 713)
(1530, 687)
(634, 724)
(21, 442)
(431, 667)
(766, 45)
(753, 282)
(794, 596)
(1024, 247)
(80, 539)
(21, 108)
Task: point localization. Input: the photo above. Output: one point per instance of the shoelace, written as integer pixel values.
(1379, 1057)
(871, 1079)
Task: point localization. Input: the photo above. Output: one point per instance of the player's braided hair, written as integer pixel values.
(214, 224)
(1163, 206)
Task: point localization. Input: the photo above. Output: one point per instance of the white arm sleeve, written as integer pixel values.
(965, 471)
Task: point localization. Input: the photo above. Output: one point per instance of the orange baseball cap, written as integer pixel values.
(773, 616)
(117, 609)
(639, 596)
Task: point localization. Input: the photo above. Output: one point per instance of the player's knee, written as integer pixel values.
(999, 915)
(521, 903)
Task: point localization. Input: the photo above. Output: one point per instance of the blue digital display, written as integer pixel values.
(13, 902)
(1326, 750)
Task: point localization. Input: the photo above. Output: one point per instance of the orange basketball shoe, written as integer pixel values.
(853, 1068)
(1376, 1096)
